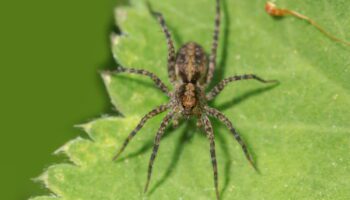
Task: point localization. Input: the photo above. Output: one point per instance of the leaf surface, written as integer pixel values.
(298, 131)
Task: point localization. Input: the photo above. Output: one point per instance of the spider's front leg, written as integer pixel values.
(154, 78)
(214, 47)
(170, 43)
(221, 85)
(149, 115)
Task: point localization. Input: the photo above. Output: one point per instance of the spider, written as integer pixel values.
(190, 71)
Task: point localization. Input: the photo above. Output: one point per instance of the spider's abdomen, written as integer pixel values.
(191, 64)
(189, 97)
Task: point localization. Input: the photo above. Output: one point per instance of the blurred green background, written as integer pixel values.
(51, 52)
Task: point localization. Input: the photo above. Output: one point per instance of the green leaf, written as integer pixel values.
(298, 131)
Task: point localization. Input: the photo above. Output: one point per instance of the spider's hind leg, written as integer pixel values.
(221, 117)
(176, 119)
(210, 134)
(149, 115)
(159, 135)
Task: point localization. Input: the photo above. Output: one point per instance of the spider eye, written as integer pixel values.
(198, 60)
(182, 58)
(198, 56)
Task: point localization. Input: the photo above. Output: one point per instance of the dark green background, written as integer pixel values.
(51, 52)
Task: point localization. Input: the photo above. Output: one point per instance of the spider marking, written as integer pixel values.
(190, 72)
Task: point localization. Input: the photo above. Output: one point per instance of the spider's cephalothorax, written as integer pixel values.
(190, 72)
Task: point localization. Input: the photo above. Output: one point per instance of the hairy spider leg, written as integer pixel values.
(221, 117)
(212, 58)
(210, 134)
(148, 116)
(170, 43)
(176, 119)
(221, 85)
(159, 135)
(159, 83)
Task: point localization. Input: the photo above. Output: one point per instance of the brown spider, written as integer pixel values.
(190, 74)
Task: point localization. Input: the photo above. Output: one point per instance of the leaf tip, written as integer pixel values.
(120, 14)
(64, 149)
(85, 127)
(106, 77)
(115, 38)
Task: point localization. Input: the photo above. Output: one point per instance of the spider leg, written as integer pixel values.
(221, 117)
(210, 134)
(212, 58)
(176, 119)
(170, 43)
(220, 86)
(155, 78)
(149, 115)
(159, 135)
